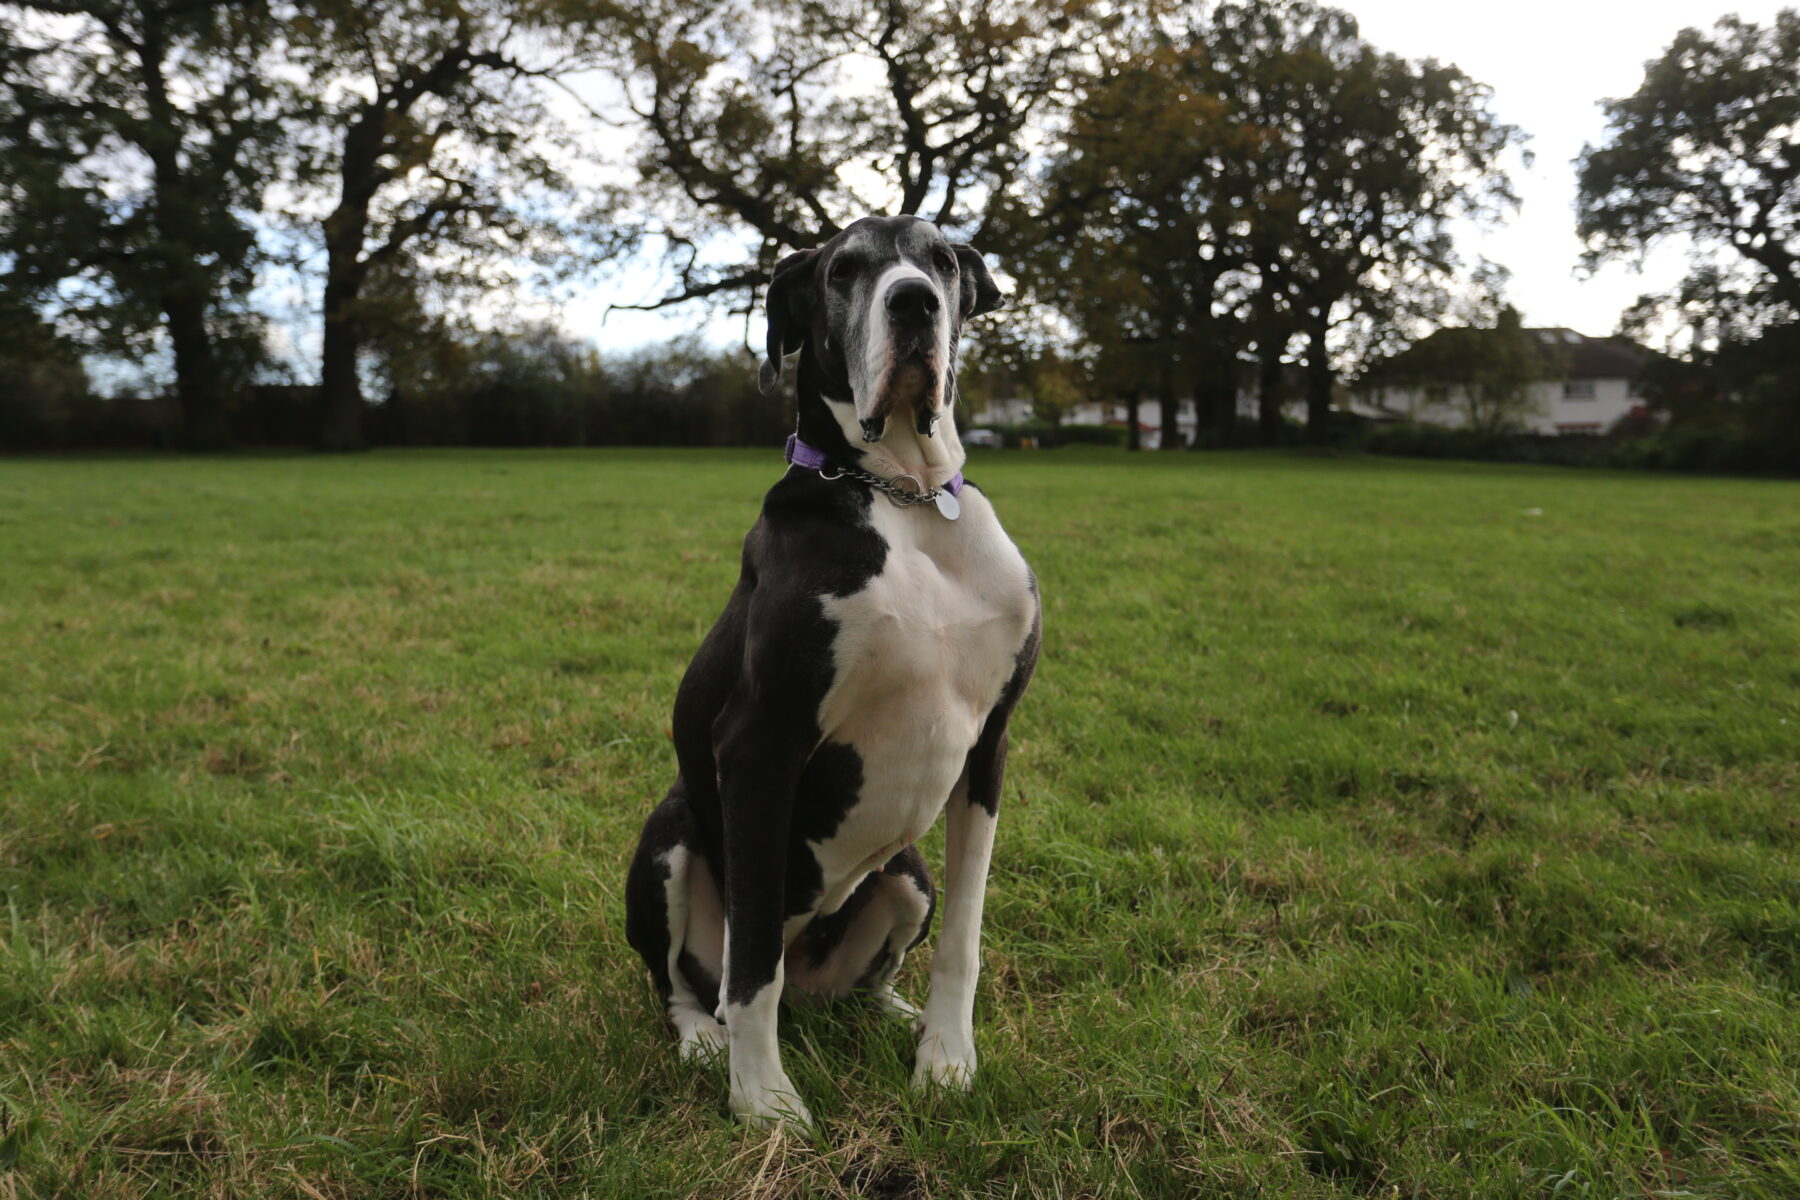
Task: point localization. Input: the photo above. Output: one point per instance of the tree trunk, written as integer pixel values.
(186, 287)
(1273, 333)
(367, 139)
(1215, 389)
(199, 388)
(1223, 387)
(340, 384)
(1133, 439)
(1170, 407)
(1318, 386)
(1269, 398)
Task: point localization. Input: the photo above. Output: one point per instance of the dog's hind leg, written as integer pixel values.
(859, 948)
(673, 920)
(946, 1028)
(911, 899)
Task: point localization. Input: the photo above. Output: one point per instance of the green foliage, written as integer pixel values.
(443, 169)
(136, 141)
(1705, 149)
(43, 386)
(1371, 828)
(1220, 176)
(532, 387)
(1255, 173)
(1029, 354)
(1680, 446)
(539, 388)
(1734, 404)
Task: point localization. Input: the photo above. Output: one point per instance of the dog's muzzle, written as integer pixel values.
(913, 376)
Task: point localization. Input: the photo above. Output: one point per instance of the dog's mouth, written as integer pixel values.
(903, 415)
(911, 389)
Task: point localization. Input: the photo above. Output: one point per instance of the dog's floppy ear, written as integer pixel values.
(979, 292)
(789, 303)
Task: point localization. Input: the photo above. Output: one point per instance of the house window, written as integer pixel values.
(1578, 389)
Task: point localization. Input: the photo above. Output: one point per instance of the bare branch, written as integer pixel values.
(746, 280)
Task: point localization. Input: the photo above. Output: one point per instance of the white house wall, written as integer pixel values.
(1150, 413)
(1551, 410)
(1015, 410)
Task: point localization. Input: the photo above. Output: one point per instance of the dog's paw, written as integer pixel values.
(887, 1000)
(701, 1037)
(770, 1107)
(946, 1061)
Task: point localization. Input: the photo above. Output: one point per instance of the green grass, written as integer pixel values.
(1373, 829)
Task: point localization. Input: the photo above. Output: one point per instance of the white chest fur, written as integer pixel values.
(922, 654)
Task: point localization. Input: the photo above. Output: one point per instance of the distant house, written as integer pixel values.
(1003, 410)
(1588, 386)
(1115, 412)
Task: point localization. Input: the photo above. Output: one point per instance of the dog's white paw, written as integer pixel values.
(768, 1107)
(888, 1000)
(945, 1060)
(701, 1037)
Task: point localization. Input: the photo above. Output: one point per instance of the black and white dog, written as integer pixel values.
(858, 683)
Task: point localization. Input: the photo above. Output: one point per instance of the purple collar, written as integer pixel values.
(813, 459)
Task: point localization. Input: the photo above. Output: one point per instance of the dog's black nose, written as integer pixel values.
(913, 301)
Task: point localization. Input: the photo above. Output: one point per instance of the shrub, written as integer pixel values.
(1047, 436)
(1677, 447)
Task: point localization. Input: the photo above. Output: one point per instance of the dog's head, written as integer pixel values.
(879, 310)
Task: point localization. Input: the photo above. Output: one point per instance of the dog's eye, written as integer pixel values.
(945, 260)
(842, 270)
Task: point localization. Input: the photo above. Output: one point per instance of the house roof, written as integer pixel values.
(1574, 355)
(1563, 353)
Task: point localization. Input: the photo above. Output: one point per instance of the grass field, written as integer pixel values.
(1373, 829)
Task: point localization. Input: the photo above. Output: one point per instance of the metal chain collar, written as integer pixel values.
(897, 496)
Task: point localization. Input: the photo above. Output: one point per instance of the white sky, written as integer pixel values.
(1549, 63)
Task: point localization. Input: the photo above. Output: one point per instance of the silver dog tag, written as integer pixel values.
(948, 504)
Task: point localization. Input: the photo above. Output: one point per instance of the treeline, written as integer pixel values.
(1187, 195)
(1175, 187)
(530, 388)
(1713, 447)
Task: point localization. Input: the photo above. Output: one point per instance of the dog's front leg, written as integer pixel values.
(947, 1028)
(758, 774)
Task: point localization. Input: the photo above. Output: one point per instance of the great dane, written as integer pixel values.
(857, 684)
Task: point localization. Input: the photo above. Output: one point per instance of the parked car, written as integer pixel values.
(982, 437)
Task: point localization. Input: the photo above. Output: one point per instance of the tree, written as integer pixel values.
(1263, 175)
(1487, 373)
(1364, 160)
(789, 119)
(137, 137)
(1708, 149)
(440, 157)
(1136, 208)
(1032, 356)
